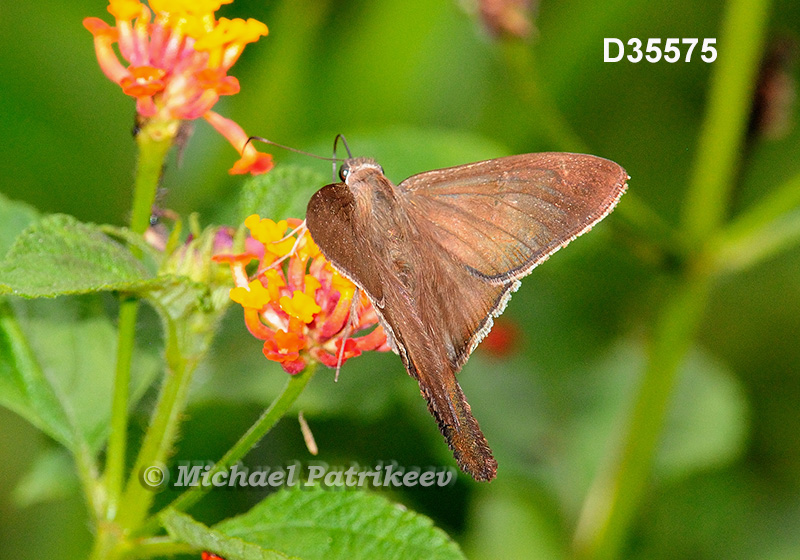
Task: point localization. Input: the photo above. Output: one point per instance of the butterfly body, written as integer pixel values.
(440, 254)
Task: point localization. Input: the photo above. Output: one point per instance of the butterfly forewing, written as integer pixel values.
(331, 211)
(502, 217)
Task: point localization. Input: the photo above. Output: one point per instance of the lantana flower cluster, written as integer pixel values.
(296, 302)
(178, 57)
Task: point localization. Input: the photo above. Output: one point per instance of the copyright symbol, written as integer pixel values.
(154, 477)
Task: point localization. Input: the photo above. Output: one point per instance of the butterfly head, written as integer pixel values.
(356, 169)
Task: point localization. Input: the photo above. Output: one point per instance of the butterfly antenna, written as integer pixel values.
(348, 330)
(344, 141)
(295, 150)
(346, 147)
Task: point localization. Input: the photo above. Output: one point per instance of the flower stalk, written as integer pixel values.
(277, 410)
(173, 59)
(154, 141)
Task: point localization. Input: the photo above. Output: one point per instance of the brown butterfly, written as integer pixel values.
(440, 254)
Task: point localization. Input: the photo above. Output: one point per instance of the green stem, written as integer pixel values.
(616, 492)
(781, 201)
(647, 226)
(764, 229)
(154, 141)
(519, 59)
(723, 131)
(109, 544)
(105, 542)
(739, 253)
(277, 410)
(117, 441)
(161, 432)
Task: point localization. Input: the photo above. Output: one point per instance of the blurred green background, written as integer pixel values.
(420, 84)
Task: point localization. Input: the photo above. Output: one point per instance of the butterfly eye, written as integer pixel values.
(344, 171)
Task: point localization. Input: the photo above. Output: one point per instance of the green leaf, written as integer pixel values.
(23, 386)
(185, 529)
(317, 524)
(60, 255)
(512, 507)
(14, 217)
(708, 423)
(57, 367)
(282, 193)
(51, 477)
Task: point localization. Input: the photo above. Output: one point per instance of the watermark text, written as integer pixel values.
(380, 475)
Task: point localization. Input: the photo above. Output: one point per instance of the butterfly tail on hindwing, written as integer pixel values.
(447, 403)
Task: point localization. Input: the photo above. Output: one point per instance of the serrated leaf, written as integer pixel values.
(14, 218)
(183, 528)
(59, 255)
(282, 193)
(316, 524)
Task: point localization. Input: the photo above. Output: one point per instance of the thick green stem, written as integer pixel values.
(294, 387)
(722, 135)
(154, 141)
(616, 492)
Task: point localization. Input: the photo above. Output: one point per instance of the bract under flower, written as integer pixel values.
(298, 304)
